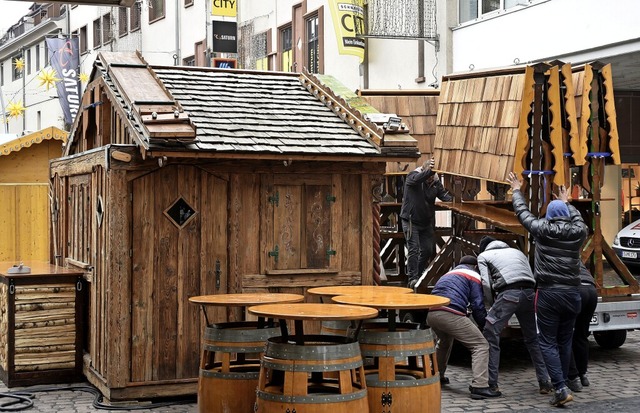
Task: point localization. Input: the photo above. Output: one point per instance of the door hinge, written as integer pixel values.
(330, 252)
(218, 272)
(274, 254)
(331, 198)
(275, 198)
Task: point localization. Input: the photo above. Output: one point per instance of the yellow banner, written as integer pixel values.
(348, 22)
(224, 8)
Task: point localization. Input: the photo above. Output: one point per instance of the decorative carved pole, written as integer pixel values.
(376, 190)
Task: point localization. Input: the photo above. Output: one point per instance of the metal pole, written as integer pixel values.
(24, 93)
(208, 35)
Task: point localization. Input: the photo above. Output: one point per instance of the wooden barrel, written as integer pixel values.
(401, 369)
(335, 328)
(343, 327)
(292, 376)
(230, 366)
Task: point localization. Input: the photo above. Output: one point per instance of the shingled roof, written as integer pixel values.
(188, 109)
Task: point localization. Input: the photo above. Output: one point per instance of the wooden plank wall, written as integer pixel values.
(24, 219)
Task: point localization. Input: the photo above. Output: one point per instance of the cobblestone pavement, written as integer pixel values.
(615, 386)
(613, 375)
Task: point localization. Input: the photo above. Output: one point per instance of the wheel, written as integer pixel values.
(610, 339)
(416, 317)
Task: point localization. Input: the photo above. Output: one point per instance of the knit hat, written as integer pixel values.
(485, 241)
(469, 260)
(557, 208)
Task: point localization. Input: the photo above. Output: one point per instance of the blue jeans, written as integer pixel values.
(556, 310)
(420, 241)
(521, 303)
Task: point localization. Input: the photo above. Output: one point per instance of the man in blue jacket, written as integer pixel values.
(558, 241)
(462, 286)
(418, 216)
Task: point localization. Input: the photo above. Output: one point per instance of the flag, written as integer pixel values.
(64, 57)
(348, 22)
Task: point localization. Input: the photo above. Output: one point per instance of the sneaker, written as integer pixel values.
(481, 393)
(561, 397)
(574, 384)
(584, 380)
(444, 380)
(545, 387)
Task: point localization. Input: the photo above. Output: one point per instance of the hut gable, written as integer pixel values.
(173, 110)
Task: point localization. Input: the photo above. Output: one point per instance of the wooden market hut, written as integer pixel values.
(185, 181)
(24, 191)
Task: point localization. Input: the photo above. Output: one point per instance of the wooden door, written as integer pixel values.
(301, 214)
(179, 251)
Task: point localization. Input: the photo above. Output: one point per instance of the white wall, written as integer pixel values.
(392, 64)
(546, 30)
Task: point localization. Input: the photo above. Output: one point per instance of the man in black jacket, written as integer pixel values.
(558, 242)
(418, 216)
(580, 359)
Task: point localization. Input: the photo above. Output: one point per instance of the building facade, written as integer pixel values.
(407, 44)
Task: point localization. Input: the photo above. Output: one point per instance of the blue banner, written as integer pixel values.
(64, 57)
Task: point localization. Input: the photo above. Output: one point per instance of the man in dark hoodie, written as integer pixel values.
(509, 288)
(421, 188)
(558, 243)
(580, 345)
(462, 286)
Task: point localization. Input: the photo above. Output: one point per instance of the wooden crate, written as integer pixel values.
(40, 325)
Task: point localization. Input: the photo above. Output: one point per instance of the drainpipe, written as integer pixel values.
(176, 57)
(420, 78)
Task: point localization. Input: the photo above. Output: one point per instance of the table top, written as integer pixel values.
(393, 300)
(38, 268)
(357, 289)
(241, 300)
(313, 311)
(498, 217)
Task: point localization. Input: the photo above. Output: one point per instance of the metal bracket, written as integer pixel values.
(274, 253)
(217, 272)
(275, 199)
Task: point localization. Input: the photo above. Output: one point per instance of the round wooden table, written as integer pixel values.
(299, 312)
(404, 375)
(392, 302)
(243, 300)
(334, 290)
(341, 328)
(229, 368)
(312, 373)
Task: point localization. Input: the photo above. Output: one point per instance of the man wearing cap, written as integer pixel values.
(462, 286)
(509, 288)
(421, 188)
(558, 243)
